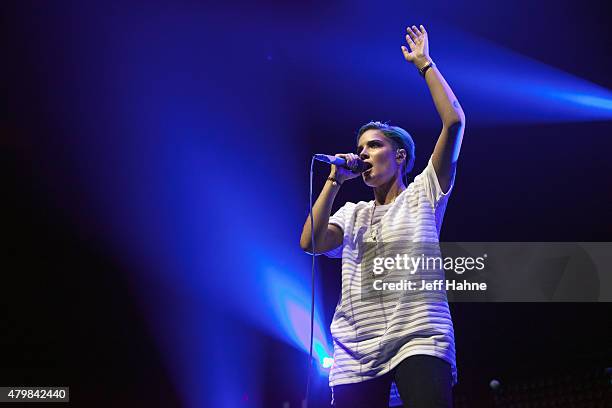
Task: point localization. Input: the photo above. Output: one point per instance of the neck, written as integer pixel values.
(386, 193)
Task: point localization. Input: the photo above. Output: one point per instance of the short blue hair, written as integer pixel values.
(398, 136)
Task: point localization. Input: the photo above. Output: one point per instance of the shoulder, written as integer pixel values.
(427, 183)
(350, 206)
(351, 213)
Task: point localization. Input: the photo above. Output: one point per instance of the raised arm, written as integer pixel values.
(447, 148)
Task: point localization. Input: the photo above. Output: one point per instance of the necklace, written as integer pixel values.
(374, 229)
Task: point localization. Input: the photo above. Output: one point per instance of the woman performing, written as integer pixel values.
(376, 343)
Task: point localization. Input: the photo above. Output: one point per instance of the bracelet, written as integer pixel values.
(424, 69)
(334, 181)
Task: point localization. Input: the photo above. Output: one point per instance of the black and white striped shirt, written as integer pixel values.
(371, 338)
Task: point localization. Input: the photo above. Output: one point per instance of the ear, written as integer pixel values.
(400, 155)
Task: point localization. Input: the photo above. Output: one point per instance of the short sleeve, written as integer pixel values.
(431, 184)
(339, 219)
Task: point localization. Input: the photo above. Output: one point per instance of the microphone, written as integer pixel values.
(360, 167)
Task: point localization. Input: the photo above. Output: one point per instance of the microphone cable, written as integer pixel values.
(312, 283)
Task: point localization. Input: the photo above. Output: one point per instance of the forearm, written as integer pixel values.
(321, 211)
(444, 99)
(446, 151)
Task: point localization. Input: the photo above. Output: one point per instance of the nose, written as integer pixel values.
(363, 155)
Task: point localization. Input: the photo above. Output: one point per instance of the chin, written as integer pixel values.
(375, 180)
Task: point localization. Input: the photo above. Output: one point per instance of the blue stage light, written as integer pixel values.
(290, 306)
(327, 362)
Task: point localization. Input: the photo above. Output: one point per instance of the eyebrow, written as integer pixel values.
(359, 147)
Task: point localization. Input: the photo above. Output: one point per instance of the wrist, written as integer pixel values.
(421, 62)
(335, 180)
(423, 70)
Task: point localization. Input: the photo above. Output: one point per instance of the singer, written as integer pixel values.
(406, 342)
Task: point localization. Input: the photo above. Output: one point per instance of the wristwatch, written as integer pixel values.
(424, 69)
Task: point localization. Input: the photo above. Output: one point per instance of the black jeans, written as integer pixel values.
(422, 381)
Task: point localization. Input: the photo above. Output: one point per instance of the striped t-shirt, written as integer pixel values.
(372, 338)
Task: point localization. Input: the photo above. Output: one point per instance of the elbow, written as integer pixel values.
(461, 116)
(455, 123)
(305, 244)
(456, 118)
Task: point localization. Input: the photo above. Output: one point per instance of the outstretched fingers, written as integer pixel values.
(416, 38)
(417, 35)
(410, 42)
(412, 35)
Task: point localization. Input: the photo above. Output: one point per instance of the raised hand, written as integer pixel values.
(419, 46)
